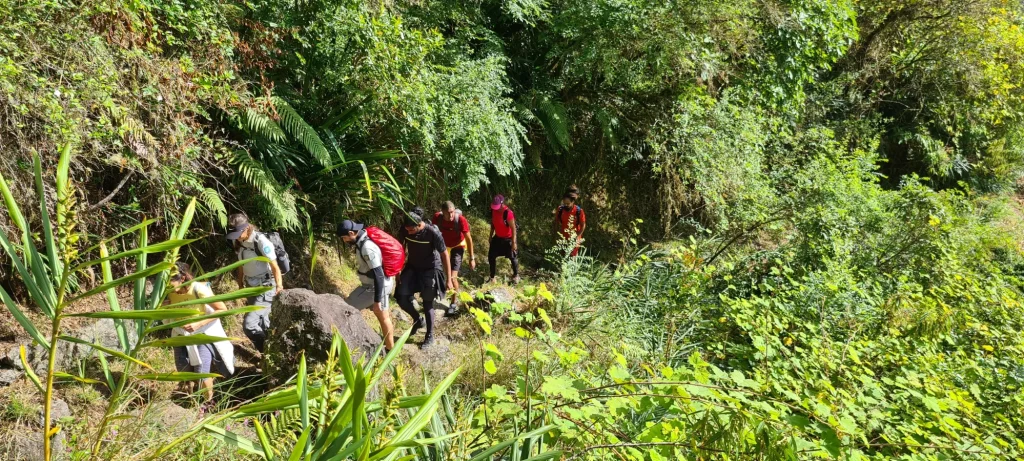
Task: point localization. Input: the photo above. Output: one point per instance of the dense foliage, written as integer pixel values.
(802, 230)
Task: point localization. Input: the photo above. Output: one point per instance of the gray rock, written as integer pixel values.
(169, 416)
(8, 377)
(502, 295)
(69, 354)
(59, 410)
(301, 320)
(28, 446)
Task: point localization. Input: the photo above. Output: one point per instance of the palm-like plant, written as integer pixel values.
(286, 161)
(47, 276)
(329, 415)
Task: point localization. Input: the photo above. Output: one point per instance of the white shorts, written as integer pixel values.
(362, 296)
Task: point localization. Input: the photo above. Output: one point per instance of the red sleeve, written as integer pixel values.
(465, 225)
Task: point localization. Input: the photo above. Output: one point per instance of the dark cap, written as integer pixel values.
(413, 217)
(237, 224)
(348, 225)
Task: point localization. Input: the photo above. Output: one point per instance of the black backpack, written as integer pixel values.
(283, 262)
(504, 217)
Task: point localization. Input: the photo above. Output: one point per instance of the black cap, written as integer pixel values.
(348, 225)
(237, 224)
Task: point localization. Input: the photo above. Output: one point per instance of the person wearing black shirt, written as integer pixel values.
(426, 258)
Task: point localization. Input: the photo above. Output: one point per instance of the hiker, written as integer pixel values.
(423, 272)
(248, 243)
(454, 229)
(504, 241)
(570, 220)
(201, 358)
(376, 285)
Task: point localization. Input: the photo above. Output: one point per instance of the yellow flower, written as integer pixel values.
(988, 348)
(788, 341)
(722, 320)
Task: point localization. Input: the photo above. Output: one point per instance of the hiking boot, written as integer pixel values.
(453, 309)
(515, 280)
(417, 325)
(427, 341)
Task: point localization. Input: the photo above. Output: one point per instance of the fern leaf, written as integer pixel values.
(260, 124)
(553, 117)
(302, 131)
(278, 203)
(213, 203)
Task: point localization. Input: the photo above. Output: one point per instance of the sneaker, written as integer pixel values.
(452, 310)
(427, 341)
(417, 325)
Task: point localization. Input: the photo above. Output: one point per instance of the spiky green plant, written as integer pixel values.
(45, 277)
(329, 415)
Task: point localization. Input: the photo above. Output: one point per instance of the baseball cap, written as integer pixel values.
(237, 224)
(499, 200)
(348, 225)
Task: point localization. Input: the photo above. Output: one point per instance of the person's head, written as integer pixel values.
(239, 229)
(182, 275)
(448, 211)
(572, 189)
(498, 202)
(413, 220)
(348, 231)
(569, 198)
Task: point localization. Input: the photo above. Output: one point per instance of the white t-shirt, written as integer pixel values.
(256, 269)
(369, 257)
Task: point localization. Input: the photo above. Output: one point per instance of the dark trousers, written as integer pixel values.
(424, 282)
(501, 247)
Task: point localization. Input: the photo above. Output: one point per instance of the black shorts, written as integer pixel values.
(429, 283)
(501, 247)
(456, 255)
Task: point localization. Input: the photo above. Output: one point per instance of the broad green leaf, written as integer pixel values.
(490, 367)
(300, 445)
(268, 450)
(190, 340)
(44, 216)
(13, 212)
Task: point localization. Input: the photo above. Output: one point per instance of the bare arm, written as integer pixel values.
(469, 244)
(515, 234)
(277, 276)
(447, 263)
(240, 277)
(583, 227)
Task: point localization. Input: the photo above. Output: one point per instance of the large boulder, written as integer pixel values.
(302, 321)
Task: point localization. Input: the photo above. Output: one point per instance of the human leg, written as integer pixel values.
(383, 314)
(405, 291)
(255, 325)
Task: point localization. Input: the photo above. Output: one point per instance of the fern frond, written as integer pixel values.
(278, 203)
(261, 124)
(553, 117)
(296, 126)
(214, 205)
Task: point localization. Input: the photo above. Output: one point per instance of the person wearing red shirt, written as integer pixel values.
(454, 229)
(503, 237)
(570, 220)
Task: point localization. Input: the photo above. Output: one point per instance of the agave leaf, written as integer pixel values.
(122, 335)
(229, 268)
(44, 213)
(215, 315)
(118, 354)
(24, 321)
(156, 314)
(123, 280)
(155, 248)
(232, 439)
(237, 294)
(189, 340)
(177, 376)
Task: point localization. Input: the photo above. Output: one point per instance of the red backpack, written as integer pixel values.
(391, 252)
